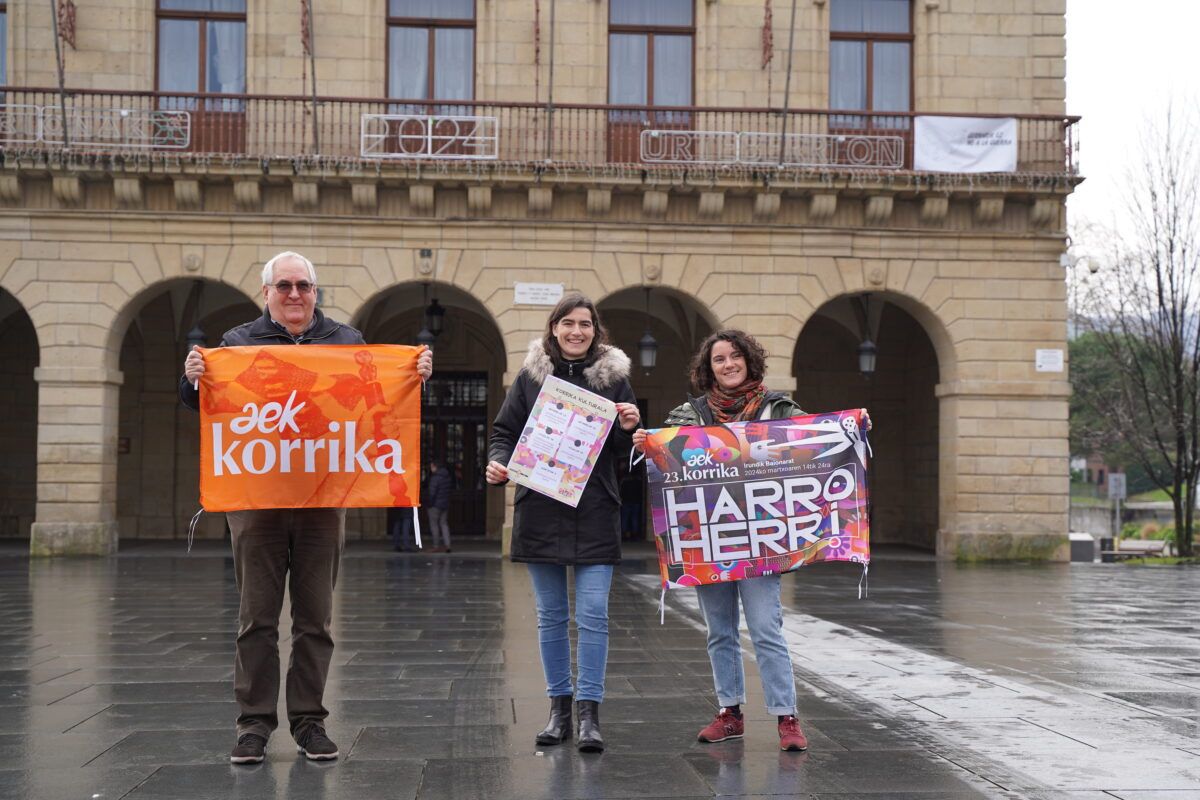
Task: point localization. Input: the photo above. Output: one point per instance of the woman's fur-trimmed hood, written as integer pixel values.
(610, 367)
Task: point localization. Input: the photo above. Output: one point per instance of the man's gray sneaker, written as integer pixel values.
(316, 746)
(249, 749)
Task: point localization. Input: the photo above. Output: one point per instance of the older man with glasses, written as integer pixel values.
(268, 544)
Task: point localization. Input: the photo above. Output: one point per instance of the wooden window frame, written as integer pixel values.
(870, 38)
(4, 10)
(203, 17)
(650, 31)
(430, 25)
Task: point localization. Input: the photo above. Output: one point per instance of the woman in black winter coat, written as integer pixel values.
(550, 536)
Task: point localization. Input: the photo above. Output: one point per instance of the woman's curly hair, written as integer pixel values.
(702, 375)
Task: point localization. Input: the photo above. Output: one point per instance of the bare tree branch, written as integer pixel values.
(1145, 315)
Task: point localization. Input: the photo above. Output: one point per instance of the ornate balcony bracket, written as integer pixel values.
(479, 199)
(1045, 211)
(187, 194)
(247, 194)
(127, 192)
(879, 209)
(305, 195)
(420, 198)
(541, 200)
(10, 188)
(711, 204)
(934, 209)
(822, 206)
(599, 201)
(766, 205)
(365, 196)
(68, 189)
(654, 203)
(989, 210)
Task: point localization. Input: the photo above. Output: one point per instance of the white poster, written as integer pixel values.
(562, 440)
(965, 144)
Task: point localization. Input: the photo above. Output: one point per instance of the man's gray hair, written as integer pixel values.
(268, 273)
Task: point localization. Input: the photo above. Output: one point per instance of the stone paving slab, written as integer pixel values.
(278, 778)
(58, 782)
(1058, 682)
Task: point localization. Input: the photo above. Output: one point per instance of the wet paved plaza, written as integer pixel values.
(1062, 681)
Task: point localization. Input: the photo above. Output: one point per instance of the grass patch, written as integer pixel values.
(1156, 496)
(1096, 502)
(1163, 561)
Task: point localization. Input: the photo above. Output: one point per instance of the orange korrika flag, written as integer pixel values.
(312, 426)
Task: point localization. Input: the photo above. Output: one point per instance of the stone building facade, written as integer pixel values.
(662, 161)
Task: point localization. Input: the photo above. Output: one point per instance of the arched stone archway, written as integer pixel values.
(18, 423)
(901, 396)
(158, 439)
(679, 323)
(459, 403)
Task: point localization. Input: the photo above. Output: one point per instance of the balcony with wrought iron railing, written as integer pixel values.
(524, 136)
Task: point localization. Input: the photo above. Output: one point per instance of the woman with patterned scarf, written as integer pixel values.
(728, 374)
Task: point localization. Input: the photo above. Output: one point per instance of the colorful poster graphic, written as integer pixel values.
(318, 426)
(561, 440)
(758, 498)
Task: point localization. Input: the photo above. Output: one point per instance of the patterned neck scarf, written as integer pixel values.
(737, 404)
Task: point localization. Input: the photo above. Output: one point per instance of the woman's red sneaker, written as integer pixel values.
(790, 735)
(724, 726)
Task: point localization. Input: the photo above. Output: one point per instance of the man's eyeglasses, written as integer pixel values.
(285, 287)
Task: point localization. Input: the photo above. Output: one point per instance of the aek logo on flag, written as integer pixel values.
(259, 456)
(309, 426)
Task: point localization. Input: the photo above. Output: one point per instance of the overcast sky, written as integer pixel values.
(1125, 62)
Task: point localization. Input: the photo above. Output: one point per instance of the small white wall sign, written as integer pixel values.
(1049, 361)
(537, 294)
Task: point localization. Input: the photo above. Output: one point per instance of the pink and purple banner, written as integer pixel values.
(758, 498)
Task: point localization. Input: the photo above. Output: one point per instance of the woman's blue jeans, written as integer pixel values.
(764, 618)
(592, 583)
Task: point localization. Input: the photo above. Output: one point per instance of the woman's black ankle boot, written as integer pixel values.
(558, 729)
(590, 740)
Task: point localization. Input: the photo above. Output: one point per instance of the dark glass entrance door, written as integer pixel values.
(454, 431)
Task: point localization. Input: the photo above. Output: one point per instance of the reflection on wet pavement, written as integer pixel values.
(1053, 678)
(1078, 681)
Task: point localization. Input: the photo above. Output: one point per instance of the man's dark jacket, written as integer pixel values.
(437, 493)
(264, 330)
(545, 530)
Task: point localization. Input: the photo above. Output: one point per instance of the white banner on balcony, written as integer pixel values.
(965, 144)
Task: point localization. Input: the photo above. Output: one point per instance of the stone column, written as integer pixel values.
(1003, 470)
(77, 461)
(510, 489)
(517, 330)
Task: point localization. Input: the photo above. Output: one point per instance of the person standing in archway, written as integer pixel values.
(727, 373)
(550, 536)
(270, 544)
(437, 504)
